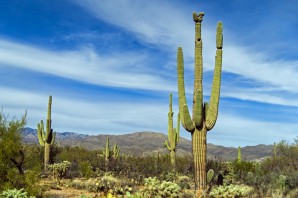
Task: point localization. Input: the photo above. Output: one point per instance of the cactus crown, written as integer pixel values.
(203, 114)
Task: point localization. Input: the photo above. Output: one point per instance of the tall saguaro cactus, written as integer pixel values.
(46, 137)
(173, 135)
(116, 151)
(107, 152)
(239, 159)
(204, 115)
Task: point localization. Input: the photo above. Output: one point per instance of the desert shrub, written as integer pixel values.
(15, 193)
(77, 156)
(85, 169)
(106, 184)
(292, 181)
(286, 160)
(231, 191)
(13, 157)
(184, 182)
(33, 157)
(59, 169)
(160, 189)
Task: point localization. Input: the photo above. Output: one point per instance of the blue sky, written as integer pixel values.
(111, 65)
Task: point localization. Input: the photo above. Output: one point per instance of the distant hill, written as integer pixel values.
(145, 143)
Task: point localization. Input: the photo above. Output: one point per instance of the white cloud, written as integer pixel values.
(118, 69)
(239, 131)
(175, 27)
(70, 114)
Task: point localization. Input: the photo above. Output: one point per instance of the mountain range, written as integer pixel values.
(146, 143)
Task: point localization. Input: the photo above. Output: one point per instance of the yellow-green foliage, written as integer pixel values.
(15, 193)
(231, 191)
(160, 189)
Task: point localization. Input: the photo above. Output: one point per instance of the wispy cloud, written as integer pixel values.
(71, 114)
(171, 30)
(101, 58)
(85, 65)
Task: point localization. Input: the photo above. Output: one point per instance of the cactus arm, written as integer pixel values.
(178, 129)
(49, 107)
(166, 144)
(40, 133)
(185, 116)
(170, 121)
(206, 107)
(214, 99)
(210, 175)
(53, 137)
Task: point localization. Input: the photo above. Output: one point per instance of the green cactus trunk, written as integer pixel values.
(239, 160)
(204, 115)
(46, 138)
(199, 149)
(47, 151)
(107, 153)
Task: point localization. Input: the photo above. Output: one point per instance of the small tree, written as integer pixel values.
(12, 156)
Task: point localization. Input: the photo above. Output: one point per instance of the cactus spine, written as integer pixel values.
(173, 135)
(46, 138)
(239, 160)
(204, 115)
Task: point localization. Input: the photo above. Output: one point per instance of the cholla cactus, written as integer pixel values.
(162, 189)
(46, 137)
(204, 115)
(173, 135)
(59, 169)
(231, 191)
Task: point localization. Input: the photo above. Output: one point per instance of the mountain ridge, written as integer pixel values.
(147, 142)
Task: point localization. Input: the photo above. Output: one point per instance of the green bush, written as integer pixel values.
(13, 174)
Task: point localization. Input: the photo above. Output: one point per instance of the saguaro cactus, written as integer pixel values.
(116, 151)
(107, 152)
(239, 160)
(173, 135)
(274, 151)
(46, 137)
(204, 115)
